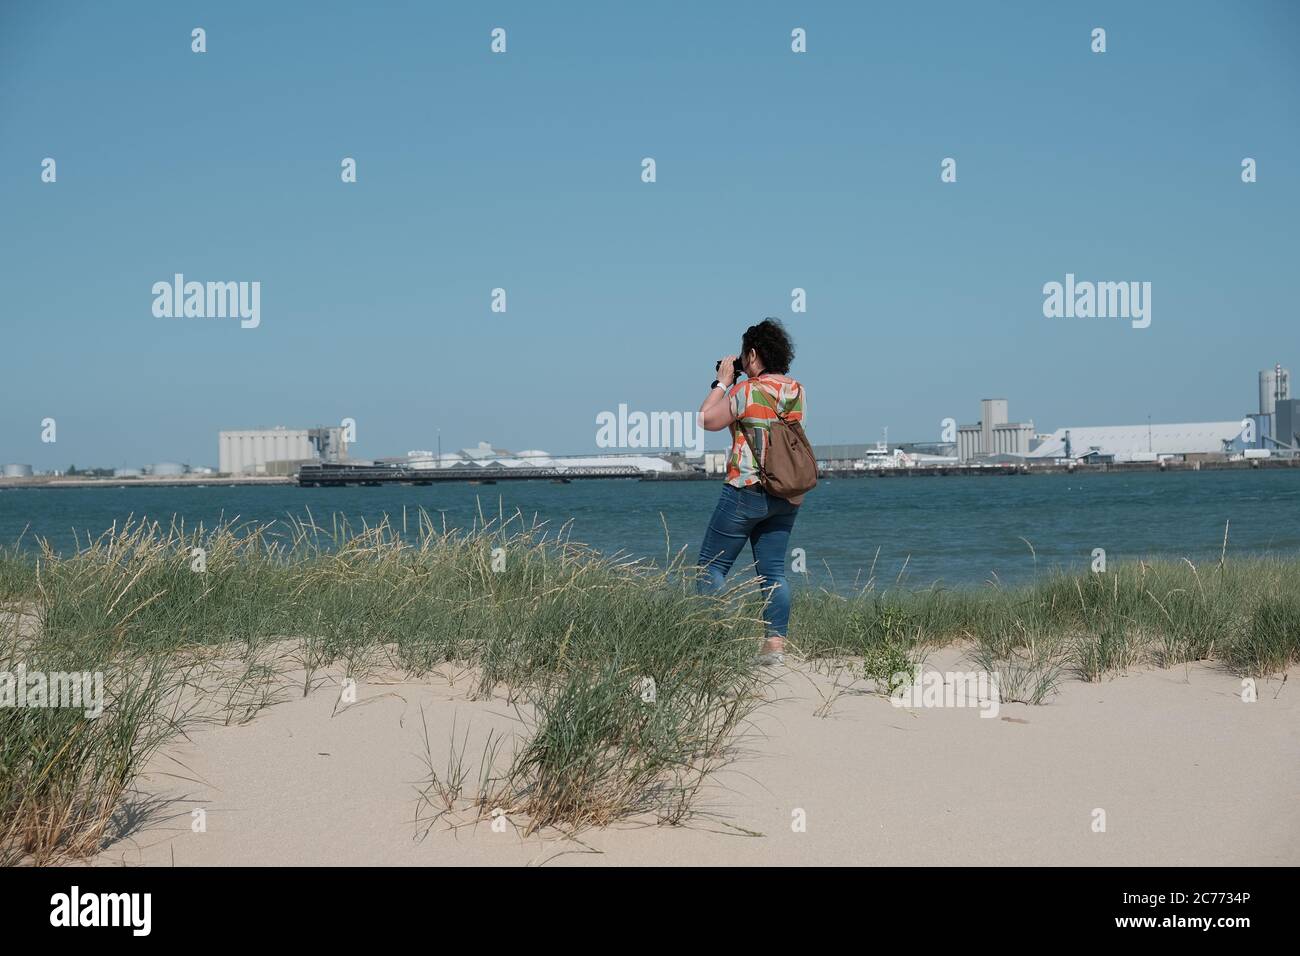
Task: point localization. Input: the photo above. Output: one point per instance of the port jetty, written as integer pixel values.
(338, 474)
(145, 481)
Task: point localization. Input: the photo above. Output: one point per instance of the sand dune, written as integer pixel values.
(1186, 773)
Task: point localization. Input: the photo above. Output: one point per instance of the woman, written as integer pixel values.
(746, 511)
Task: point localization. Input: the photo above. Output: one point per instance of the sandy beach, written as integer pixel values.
(1185, 771)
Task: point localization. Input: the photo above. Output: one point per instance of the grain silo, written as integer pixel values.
(251, 451)
(1274, 386)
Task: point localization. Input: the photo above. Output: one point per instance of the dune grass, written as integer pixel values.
(1244, 614)
(567, 635)
(203, 624)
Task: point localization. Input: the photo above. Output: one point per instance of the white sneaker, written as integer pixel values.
(772, 659)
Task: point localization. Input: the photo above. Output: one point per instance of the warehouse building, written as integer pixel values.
(1122, 443)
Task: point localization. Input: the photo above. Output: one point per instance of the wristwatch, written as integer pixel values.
(717, 384)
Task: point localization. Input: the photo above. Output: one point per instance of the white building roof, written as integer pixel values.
(1123, 441)
(483, 450)
(455, 461)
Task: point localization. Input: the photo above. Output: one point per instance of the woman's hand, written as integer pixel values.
(716, 411)
(727, 371)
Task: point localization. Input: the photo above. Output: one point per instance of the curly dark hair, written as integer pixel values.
(773, 344)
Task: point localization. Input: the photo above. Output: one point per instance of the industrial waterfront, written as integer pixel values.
(324, 455)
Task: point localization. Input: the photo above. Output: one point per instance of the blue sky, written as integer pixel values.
(775, 170)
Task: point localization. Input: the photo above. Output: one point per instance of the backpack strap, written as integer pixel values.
(753, 451)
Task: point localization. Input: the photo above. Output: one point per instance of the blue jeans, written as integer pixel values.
(765, 521)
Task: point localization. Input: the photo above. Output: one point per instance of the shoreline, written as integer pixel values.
(920, 471)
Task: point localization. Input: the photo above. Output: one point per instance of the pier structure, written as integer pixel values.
(340, 473)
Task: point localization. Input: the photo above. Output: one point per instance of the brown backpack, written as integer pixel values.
(789, 467)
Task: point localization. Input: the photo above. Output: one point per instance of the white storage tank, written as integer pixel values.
(18, 471)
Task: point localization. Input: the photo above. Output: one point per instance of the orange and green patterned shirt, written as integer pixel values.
(756, 402)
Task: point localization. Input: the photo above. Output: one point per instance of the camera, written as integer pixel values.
(740, 369)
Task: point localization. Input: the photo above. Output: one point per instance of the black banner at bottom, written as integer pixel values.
(368, 906)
